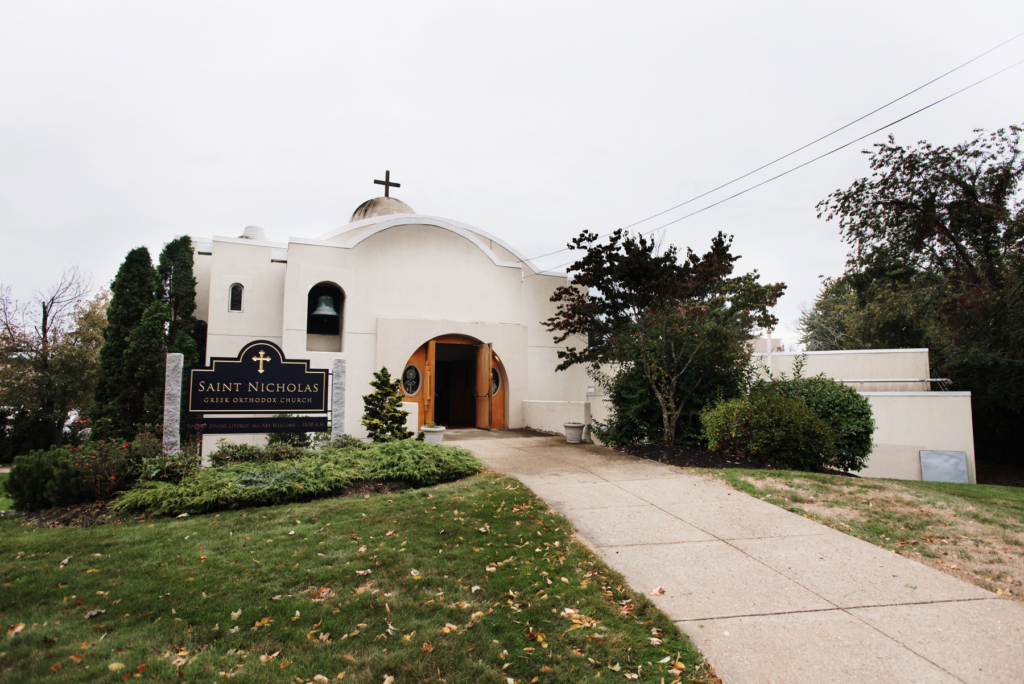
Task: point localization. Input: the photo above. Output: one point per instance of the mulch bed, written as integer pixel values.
(698, 457)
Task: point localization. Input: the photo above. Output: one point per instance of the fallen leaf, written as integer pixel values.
(363, 573)
(427, 647)
(56, 667)
(657, 591)
(76, 658)
(183, 515)
(91, 570)
(65, 561)
(347, 657)
(341, 675)
(235, 614)
(388, 679)
(94, 613)
(320, 678)
(115, 667)
(15, 629)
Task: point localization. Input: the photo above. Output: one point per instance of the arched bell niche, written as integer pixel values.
(325, 317)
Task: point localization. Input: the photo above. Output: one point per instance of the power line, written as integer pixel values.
(811, 161)
(790, 154)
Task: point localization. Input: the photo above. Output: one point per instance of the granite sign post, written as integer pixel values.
(338, 400)
(172, 402)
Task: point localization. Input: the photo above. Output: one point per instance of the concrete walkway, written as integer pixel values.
(766, 595)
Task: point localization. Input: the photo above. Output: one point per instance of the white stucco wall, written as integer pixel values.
(551, 416)
(860, 364)
(907, 423)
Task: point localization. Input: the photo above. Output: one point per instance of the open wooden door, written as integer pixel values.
(429, 384)
(483, 386)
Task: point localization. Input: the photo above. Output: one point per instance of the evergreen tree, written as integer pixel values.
(383, 416)
(178, 292)
(121, 391)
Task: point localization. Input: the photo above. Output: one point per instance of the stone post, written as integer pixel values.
(338, 399)
(172, 402)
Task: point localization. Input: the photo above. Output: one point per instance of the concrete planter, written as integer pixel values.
(434, 435)
(573, 432)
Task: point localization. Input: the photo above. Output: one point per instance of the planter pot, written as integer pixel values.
(573, 432)
(434, 435)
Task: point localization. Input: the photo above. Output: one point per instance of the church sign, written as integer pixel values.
(259, 380)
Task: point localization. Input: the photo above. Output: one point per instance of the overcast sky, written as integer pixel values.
(127, 123)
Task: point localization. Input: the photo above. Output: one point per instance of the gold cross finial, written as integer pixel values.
(260, 359)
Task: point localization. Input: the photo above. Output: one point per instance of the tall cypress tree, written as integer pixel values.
(120, 391)
(178, 292)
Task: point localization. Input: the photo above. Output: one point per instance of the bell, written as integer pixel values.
(325, 307)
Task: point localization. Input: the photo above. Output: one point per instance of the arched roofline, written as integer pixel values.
(376, 225)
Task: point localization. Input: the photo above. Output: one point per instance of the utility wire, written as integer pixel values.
(800, 166)
(790, 154)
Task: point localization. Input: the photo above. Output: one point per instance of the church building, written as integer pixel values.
(453, 311)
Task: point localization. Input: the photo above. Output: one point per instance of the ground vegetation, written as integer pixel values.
(471, 581)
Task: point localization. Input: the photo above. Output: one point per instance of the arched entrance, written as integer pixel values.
(458, 382)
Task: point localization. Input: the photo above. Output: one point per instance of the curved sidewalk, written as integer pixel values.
(766, 595)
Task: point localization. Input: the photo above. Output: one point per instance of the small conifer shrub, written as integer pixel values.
(383, 416)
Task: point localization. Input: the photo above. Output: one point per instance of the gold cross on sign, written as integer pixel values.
(261, 358)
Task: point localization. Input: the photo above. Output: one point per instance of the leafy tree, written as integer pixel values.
(936, 261)
(682, 325)
(383, 415)
(49, 354)
(123, 384)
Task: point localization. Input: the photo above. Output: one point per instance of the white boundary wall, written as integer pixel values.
(907, 423)
(550, 416)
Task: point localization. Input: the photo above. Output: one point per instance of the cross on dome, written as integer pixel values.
(387, 183)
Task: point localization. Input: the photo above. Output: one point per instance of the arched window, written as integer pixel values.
(236, 298)
(325, 311)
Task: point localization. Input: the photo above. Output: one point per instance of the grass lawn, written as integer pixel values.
(974, 532)
(6, 503)
(472, 581)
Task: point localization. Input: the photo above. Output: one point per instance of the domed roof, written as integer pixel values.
(380, 206)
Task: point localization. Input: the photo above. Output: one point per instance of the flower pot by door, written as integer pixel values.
(434, 435)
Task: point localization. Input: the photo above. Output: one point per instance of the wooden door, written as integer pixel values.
(483, 386)
(430, 384)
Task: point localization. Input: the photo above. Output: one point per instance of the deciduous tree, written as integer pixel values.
(49, 353)
(937, 260)
(682, 324)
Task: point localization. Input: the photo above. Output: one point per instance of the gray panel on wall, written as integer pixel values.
(944, 466)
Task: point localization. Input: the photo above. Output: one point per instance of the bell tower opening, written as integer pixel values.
(325, 307)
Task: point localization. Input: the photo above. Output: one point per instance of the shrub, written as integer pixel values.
(418, 463)
(787, 433)
(170, 466)
(106, 468)
(725, 425)
(847, 413)
(383, 414)
(347, 441)
(259, 482)
(41, 479)
(247, 453)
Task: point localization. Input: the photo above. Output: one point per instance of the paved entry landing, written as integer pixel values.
(765, 594)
